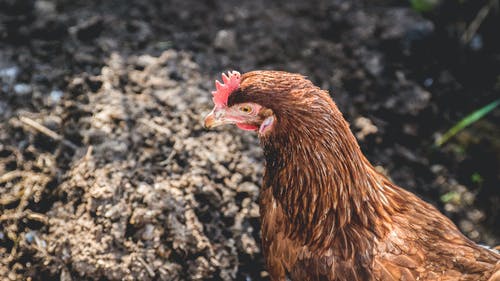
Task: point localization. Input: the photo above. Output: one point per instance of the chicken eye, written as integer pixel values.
(246, 108)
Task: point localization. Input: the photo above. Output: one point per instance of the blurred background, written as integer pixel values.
(106, 172)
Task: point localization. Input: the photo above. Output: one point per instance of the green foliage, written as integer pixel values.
(423, 6)
(452, 196)
(468, 120)
(477, 178)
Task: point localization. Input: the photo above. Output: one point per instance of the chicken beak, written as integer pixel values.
(215, 118)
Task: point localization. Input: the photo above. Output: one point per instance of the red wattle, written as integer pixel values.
(247, 127)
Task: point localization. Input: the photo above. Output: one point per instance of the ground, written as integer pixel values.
(106, 172)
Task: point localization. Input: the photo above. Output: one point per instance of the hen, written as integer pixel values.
(326, 213)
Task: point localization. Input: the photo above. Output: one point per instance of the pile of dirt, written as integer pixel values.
(152, 196)
(107, 174)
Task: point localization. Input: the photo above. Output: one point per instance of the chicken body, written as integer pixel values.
(419, 244)
(326, 213)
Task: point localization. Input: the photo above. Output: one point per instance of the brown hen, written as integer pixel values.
(326, 213)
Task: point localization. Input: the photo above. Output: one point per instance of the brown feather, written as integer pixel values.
(328, 215)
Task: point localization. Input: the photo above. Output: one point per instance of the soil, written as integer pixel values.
(106, 172)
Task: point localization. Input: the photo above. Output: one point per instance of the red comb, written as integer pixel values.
(231, 82)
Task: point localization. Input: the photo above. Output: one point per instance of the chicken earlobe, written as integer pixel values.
(266, 125)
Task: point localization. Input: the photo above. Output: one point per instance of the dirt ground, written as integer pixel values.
(106, 172)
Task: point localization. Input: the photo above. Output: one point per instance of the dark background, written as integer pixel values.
(90, 71)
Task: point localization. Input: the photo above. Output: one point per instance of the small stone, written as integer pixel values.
(254, 210)
(44, 7)
(475, 215)
(148, 232)
(248, 187)
(436, 169)
(428, 82)
(468, 198)
(225, 40)
(476, 43)
(55, 96)
(365, 126)
(466, 226)
(12, 276)
(9, 75)
(22, 89)
(30, 237)
(113, 212)
(450, 208)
